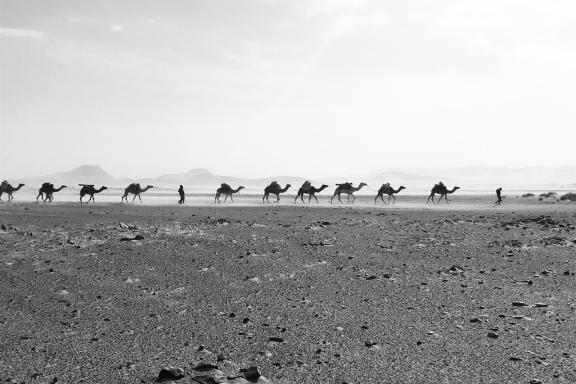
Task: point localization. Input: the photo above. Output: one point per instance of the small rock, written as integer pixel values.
(205, 367)
(251, 374)
(276, 339)
(170, 373)
(519, 304)
(541, 305)
(493, 335)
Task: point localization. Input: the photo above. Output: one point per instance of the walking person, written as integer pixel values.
(499, 196)
(182, 196)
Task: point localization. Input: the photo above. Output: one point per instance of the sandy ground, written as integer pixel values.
(307, 294)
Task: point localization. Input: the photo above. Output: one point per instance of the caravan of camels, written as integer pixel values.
(47, 190)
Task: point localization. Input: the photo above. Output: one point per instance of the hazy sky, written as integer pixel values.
(264, 87)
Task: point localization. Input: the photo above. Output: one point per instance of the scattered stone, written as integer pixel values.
(276, 339)
(519, 304)
(493, 335)
(205, 367)
(373, 345)
(170, 373)
(540, 305)
(251, 374)
(137, 237)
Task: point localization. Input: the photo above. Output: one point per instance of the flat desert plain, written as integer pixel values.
(112, 294)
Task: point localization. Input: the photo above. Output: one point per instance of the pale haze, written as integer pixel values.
(285, 87)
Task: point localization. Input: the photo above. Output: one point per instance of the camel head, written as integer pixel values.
(149, 187)
(362, 185)
(241, 187)
(401, 187)
(103, 188)
(323, 186)
(455, 188)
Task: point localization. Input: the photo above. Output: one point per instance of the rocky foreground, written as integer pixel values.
(126, 294)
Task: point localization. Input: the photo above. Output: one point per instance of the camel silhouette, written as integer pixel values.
(88, 189)
(6, 188)
(46, 192)
(441, 190)
(386, 189)
(274, 189)
(227, 191)
(309, 190)
(346, 189)
(136, 190)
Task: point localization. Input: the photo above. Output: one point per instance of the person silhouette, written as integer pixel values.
(182, 197)
(499, 196)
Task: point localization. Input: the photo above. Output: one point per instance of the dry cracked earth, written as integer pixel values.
(110, 294)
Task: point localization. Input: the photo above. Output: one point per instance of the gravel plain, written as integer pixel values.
(287, 294)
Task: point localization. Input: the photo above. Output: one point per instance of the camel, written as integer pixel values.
(226, 190)
(136, 190)
(88, 189)
(6, 188)
(442, 191)
(386, 189)
(309, 190)
(275, 189)
(48, 190)
(347, 189)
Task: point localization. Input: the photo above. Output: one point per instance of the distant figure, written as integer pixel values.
(499, 196)
(182, 197)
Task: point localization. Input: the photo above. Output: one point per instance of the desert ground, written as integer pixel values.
(112, 293)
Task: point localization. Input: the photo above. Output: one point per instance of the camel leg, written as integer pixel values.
(231, 198)
(315, 198)
(302, 197)
(353, 198)
(226, 197)
(278, 198)
(39, 196)
(134, 198)
(139, 198)
(340, 200)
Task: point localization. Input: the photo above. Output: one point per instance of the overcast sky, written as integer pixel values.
(270, 87)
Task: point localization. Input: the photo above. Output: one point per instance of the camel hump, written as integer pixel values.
(47, 185)
(4, 183)
(134, 185)
(274, 183)
(225, 186)
(345, 185)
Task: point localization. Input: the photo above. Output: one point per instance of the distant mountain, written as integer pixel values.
(85, 174)
(478, 176)
(202, 180)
